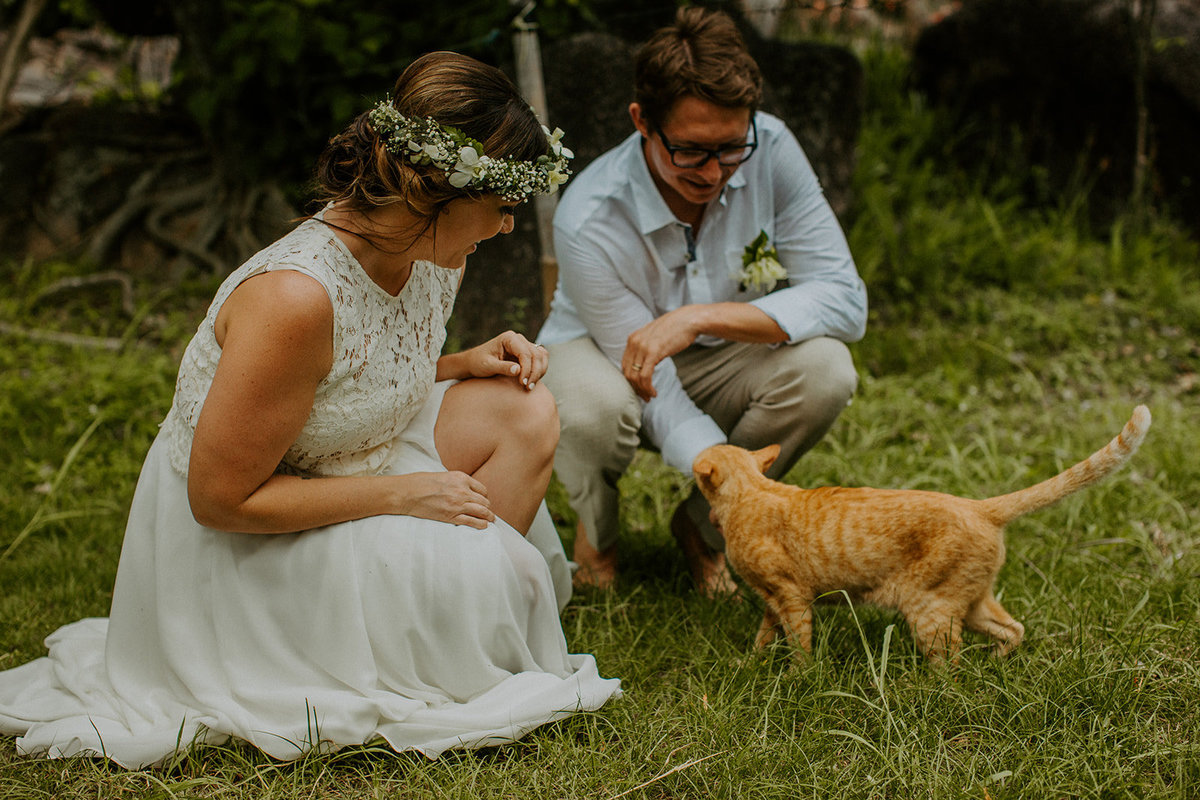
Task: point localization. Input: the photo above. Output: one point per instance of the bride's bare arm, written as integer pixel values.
(276, 337)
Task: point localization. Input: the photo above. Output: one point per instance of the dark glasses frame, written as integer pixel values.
(699, 156)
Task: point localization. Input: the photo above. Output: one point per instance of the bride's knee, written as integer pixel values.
(530, 414)
(545, 413)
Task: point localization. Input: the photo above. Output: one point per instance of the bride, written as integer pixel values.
(338, 535)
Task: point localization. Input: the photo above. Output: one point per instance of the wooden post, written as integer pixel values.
(764, 15)
(528, 57)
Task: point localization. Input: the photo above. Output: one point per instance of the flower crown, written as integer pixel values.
(426, 141)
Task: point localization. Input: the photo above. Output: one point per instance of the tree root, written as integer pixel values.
(208, 223)
(137, 200)
(87, 281)
(59, 337)
(179, 201)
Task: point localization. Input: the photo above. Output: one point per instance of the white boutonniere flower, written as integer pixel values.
(760, 266)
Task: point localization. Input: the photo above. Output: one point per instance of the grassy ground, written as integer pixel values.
(1101, 701)
(1005, 344)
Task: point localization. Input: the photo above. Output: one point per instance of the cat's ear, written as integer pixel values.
(705, 470)
(766, 457)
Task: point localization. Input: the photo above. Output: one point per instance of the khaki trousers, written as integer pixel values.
(758, 395)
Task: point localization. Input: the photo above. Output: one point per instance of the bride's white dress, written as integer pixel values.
(429, 635)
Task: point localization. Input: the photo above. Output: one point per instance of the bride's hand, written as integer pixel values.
(453, 497)
(511, 354)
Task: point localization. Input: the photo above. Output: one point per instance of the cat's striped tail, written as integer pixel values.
(1095, 467)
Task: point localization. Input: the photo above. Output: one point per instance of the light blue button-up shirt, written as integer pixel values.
(624, 260)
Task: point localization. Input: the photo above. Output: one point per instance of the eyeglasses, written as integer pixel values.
(696, 157)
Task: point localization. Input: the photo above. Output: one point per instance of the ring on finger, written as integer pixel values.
(636, 367)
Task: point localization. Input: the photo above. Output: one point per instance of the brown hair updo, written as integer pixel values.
(701, 55)
(358, 171)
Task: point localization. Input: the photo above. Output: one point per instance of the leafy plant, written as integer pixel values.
(922, 232)
(268, 81)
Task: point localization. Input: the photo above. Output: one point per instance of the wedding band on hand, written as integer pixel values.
(636, 367)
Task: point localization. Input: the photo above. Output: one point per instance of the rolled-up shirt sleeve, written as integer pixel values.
(608, 307)
(825, 295)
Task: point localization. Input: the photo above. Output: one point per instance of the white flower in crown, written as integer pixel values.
(556, 145)
(556, 179)
(417, 154)
(760, 266)
(470, 167)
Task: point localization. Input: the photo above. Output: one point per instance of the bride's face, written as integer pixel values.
(467, 222)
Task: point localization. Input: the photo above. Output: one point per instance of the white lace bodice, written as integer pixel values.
(385, 352)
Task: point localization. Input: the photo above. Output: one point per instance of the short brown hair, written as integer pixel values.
(480, 100)
(702, 55)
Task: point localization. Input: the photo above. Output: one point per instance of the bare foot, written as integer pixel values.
(597, 568)
(707, 565)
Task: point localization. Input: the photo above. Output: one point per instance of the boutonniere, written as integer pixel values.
(760, 266)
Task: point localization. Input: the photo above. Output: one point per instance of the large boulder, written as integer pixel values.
(1057, 78)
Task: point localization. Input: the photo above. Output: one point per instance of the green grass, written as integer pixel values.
(1101, 700)
(1006, 342)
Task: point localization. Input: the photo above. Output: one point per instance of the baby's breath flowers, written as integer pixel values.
(428, 142)
(760, 266)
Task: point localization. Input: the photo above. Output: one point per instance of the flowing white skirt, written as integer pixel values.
(429, 635)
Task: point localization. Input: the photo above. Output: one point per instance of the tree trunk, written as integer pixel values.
(14, 49)
(1143, 22)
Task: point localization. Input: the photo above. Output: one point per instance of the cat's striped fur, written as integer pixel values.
(932, 556)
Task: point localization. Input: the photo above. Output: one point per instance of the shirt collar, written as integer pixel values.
(649, 207)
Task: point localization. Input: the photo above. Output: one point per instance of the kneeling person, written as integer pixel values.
(705, 293)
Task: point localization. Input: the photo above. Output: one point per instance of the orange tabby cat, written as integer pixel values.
(932, 556)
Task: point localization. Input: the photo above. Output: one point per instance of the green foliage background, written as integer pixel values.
(266, 81)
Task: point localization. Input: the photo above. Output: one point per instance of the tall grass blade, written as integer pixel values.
(42, 516)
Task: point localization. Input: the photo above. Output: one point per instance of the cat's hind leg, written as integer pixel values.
(938, 631)
(768, 630)
(989, 617)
